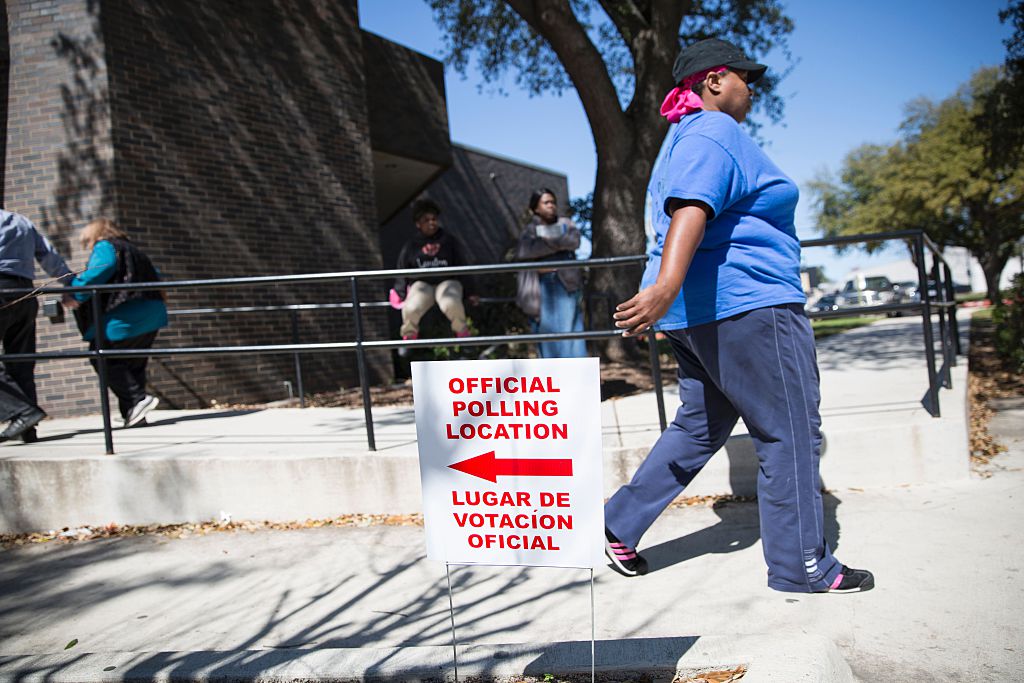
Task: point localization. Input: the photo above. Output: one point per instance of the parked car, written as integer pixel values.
(872, 291)
(908, 290)
(829, 302)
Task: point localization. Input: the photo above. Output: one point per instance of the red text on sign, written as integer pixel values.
(492, 498)
(499, 385)
(505, 408)
(513, 542)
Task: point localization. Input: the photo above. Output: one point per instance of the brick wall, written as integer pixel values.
(58, 156)
(229, 139)
(5, 67)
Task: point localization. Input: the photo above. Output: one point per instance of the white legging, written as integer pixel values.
(421, 296)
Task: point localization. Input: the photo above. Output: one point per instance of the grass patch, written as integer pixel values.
(826, 327)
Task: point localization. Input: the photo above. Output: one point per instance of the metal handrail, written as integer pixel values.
(341, 275)
(946, 305)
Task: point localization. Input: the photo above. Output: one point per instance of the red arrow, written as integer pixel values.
(486, 466)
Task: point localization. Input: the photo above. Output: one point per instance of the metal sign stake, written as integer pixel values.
(593, 630)
(451, 613)
(593, 619)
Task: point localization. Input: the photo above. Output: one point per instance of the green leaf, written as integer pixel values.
(71, 644)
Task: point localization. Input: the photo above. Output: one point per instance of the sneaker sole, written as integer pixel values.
(142, 414)
(865, 585)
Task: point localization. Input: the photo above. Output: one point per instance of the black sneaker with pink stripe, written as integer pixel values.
(624, 559)
(850, 580)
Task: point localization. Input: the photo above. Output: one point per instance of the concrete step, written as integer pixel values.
(768, 659)
(286, 464)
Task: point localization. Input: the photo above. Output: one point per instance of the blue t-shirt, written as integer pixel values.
(750, 255)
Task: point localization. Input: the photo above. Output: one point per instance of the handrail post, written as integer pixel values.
(951, 294)
(652, 345)
(932, 405)
(944, 342)
(364, 383)
(298, 359)
(101, 370)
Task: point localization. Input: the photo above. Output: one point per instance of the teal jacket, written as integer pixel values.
(130, 319)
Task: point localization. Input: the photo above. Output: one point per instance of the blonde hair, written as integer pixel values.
(100, 229)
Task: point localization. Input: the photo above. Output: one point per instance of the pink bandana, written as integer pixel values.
(681, 101)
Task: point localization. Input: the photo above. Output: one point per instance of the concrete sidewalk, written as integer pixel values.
(287, 464)
(287, 605)
(364, 603)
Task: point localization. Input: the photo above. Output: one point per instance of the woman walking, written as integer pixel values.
(131, 319)
(723, 283)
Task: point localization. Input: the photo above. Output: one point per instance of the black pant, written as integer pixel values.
(18, 333)
(126, 377)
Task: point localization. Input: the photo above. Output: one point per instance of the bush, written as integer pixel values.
(1009, 320)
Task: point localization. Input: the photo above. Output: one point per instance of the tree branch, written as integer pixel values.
(654, 50)
(629, 21)
(555, 22)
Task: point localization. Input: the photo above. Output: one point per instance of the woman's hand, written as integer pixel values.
(640, 313)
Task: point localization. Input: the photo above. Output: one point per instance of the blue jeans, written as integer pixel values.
(559, 312)
(761, 366)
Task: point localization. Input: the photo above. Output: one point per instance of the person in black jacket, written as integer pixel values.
(431, 247)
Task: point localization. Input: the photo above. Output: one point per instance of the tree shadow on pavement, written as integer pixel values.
(739, 523)
(426, 611)
(738, 528)
(155, 422)
(256, 614)
(878, 347)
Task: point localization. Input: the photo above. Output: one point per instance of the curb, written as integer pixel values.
(789, 658)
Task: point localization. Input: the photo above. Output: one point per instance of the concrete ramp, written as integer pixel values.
(286, 464)
(877, 431)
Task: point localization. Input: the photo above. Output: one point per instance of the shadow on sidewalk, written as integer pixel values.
(121, 430)
(890, 345)
(738, 528)
(739, 523)
(274, 627)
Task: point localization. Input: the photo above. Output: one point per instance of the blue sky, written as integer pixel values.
(859, 64)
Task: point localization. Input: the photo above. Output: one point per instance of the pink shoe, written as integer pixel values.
(464, 333)
(406, 350)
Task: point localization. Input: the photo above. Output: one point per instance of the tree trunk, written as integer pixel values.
(627, 141)
(992, 265)
(620, 189)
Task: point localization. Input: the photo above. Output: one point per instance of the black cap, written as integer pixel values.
(712, 52)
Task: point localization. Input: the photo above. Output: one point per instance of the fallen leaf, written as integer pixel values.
(71, 644)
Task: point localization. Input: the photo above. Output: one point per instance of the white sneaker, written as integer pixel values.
(139, 410)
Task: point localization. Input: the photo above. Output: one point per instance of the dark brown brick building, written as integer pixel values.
(230, 138)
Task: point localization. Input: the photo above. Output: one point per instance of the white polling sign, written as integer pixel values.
(510, 461)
